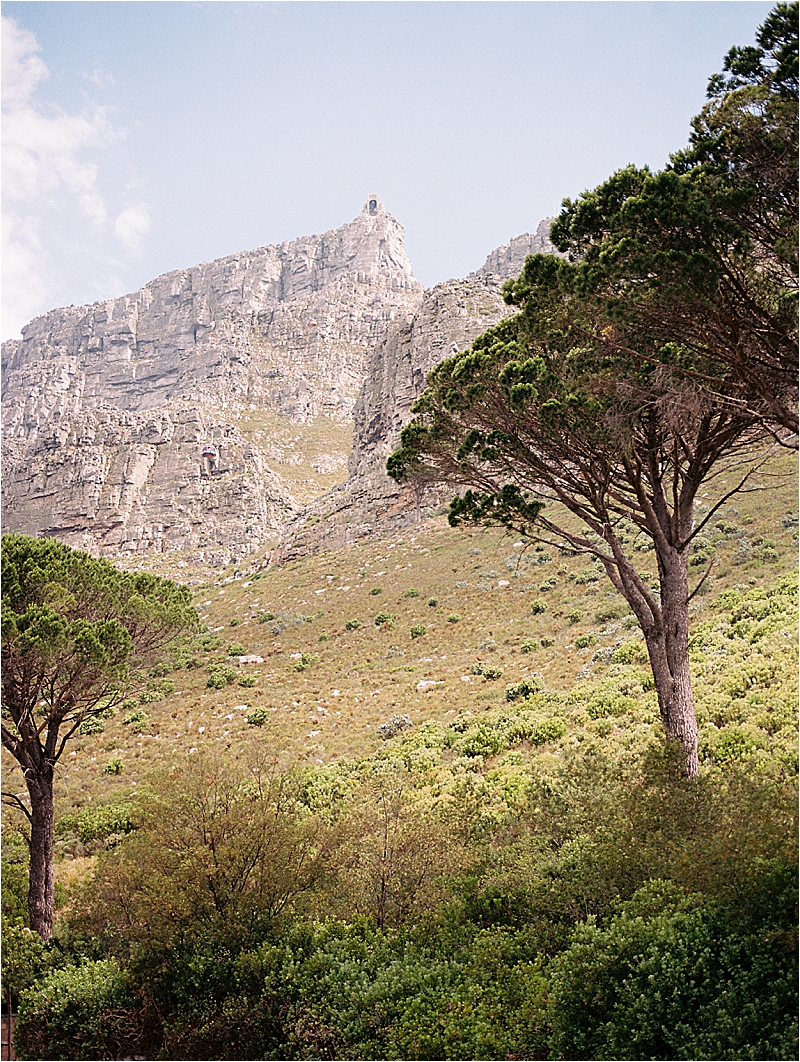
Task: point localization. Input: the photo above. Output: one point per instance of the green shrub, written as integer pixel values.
(454, 618)
(257, 716)
(610, 612)
(376, 590)
(248, 681)
(411, 592)
(266, 617)
(529, 645)
(138, 716)
(92, 725)
(609, 702)
(114, 766)
(575, 616)
(384, 619)
(538, 607)
(490, 673)
(97, 823)
(627, 653)
(352, 625)
(235, 622)
(733, 744)
(669, 977)
(418, 630)
(24, 957)
(548, 730)
(526, 688)
(583, 641)
(433, 602)
(221, 675)
(160, 669)
(483, 741)
(236, 649)
(547, 641)
(306, 660)
(82, 1011)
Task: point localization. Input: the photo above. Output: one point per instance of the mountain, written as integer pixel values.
(450, 316)
(215, 408)
(256, 358)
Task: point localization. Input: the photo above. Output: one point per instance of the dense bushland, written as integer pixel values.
(540, 881)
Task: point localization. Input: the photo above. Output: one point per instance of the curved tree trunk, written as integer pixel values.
(41, 889)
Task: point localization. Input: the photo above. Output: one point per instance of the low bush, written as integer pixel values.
(85, 1011)
(221, 675)
(97, 823)
(670, 977)
(530, 685)
(306, 660)
(483, 741)
(628, 653)
(137, 716)
(396, 725)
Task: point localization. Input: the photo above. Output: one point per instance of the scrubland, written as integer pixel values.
(411, 799)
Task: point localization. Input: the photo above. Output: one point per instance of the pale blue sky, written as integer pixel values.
(144, 137)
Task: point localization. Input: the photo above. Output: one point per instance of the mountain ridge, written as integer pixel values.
(201, 415)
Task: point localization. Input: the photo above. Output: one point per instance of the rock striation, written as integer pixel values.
(450, 316)
(159, 421)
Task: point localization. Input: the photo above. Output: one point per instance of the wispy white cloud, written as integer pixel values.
(132, 225)
(50, 180)
(100, 77)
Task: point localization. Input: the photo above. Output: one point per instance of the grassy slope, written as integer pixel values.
(328, 707)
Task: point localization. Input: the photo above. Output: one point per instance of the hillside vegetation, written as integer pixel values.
(411, 800)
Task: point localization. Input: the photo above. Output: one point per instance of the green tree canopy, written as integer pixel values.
(704, 253)
(75, 633)
(646, 365)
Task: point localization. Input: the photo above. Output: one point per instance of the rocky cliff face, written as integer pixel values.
(449, 318)
(200, 412)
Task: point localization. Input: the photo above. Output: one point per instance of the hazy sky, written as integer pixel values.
(144, 137)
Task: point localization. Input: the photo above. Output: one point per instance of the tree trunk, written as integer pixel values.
(41, 890)
(668, 648)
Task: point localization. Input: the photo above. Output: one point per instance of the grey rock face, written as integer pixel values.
(508, 260)
(449, 318)
(107, 409)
